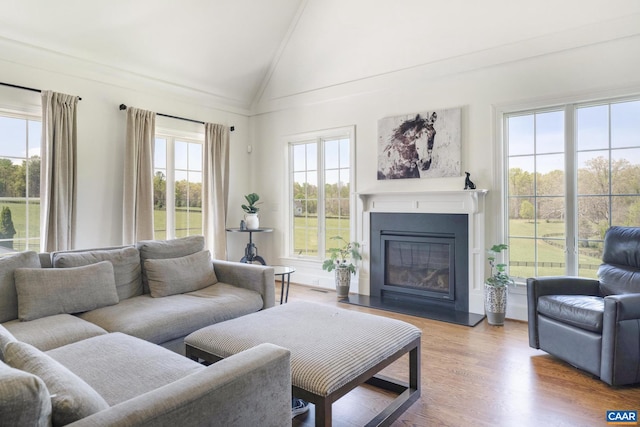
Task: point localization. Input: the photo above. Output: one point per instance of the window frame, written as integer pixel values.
(172, 135)
(569, 105)
(346, 132)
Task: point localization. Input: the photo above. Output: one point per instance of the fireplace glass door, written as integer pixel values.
(420, 265)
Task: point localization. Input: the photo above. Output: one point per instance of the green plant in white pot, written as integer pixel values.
(251, 209)
(341, 260)
(496, 287)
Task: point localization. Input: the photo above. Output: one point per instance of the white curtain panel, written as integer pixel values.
(215, 189)
(58, 171)
(137, 217)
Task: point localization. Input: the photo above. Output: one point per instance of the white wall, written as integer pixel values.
(600, 70)
(101, 133)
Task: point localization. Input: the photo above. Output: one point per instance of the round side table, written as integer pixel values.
(251, 251)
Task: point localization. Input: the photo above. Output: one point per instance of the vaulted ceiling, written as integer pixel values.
(244, 52)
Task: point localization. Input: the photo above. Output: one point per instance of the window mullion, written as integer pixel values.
(571, 190)
(171, 191)
(321, 201)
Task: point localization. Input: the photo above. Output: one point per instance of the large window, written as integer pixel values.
(19, 182)
(177, 186)
(573, 171)
(320, 191)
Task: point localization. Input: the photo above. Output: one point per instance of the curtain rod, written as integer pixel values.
(26, 88)
(124, 107)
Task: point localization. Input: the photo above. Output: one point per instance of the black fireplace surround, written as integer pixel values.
(419, 265)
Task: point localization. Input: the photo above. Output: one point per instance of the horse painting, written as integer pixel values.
(407, 150)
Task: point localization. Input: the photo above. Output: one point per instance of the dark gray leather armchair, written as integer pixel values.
(593, 324)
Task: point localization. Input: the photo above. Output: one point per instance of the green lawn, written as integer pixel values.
(188, 222)
(550, 251)
(306, 238)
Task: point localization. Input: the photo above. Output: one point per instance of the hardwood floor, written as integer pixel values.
(480, 376)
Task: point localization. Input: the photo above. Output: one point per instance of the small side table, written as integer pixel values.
(251, 251)
(281, 270)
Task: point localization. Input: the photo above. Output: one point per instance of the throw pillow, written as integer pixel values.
(179, 275)
(48, 291)
(163, 249)
(5, 338)
(8, 297)
(71, 397)
(24, 397)
(126, 266)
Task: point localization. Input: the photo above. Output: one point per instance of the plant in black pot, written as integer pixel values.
(342, 261)
(496, 287)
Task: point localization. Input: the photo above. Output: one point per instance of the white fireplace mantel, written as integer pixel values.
(470, 202)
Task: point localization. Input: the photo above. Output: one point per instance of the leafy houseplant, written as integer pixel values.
(340, 259)
(252, 199)
(251, 210)
(496, 287)
(498, 277)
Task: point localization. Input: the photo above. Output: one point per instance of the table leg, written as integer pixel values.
(282, 287)
(288, 280)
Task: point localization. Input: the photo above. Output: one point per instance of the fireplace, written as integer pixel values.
(424, 255)
(421, 259)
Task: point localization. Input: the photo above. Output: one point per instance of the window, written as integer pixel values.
(177, 186)
(320, 191)
(572, 173)
(19, 182)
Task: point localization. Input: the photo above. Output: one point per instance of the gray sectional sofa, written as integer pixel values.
(95, 337)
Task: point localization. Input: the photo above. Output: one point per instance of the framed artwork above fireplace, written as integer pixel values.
(421, 145)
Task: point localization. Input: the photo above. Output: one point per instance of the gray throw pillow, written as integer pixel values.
(25, 399)
(126, 266)
(179, 275)
(71, 397)
(8, 297)
(48, 291)
(163, 249)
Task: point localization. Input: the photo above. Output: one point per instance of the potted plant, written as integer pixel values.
(251, 216)
(496, 287)
(340, 259)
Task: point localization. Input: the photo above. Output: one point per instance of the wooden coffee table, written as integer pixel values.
(333, 350)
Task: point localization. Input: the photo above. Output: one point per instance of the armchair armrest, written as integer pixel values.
(260, 378)
(553, 285)
(621, 339)
(258, 278)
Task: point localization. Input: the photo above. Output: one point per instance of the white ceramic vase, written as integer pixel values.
(252, 221)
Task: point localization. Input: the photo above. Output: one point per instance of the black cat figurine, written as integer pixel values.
(468, 184)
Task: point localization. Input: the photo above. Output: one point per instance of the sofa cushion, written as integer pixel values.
(8, 296)
(121, 367)
(125, 261)
(24, 398)
(581, 311)
(159, 320)
(163, 249)
(179, 275)
(71, 397)
(5, 338)
(48, 291)
(53, 331)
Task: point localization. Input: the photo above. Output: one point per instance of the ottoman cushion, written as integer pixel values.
(329, 346)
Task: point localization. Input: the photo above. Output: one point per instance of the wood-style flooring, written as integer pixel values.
(479, 376)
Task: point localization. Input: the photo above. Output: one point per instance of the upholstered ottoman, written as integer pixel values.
(333, 350)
